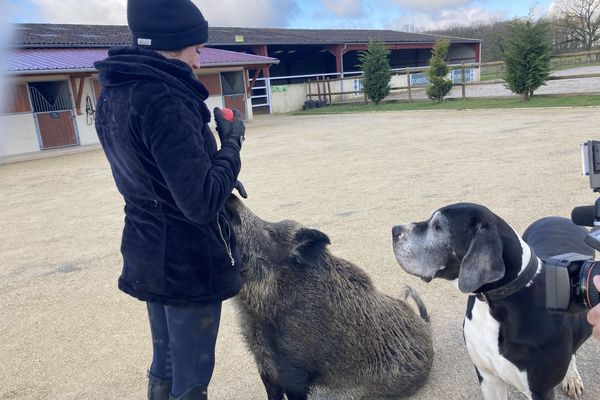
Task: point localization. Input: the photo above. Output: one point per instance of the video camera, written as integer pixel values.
(569, 277)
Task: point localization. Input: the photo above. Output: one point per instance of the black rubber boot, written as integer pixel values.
(196, 393)
(158, 389)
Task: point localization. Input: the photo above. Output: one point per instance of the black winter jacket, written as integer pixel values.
(177, 246)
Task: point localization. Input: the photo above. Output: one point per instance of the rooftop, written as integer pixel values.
(69, 35)
(82, 59)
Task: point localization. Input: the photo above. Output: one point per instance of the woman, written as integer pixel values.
(179, 253)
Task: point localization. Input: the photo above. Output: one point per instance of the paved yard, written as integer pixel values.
(67, 332)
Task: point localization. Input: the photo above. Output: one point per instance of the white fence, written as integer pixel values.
(333, 89)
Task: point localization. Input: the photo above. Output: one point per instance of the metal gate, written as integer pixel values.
(261, 94)
(53, 113)
(233, 91)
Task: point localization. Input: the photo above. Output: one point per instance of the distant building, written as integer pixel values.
(55, 84)
(321, 51)
(300, 52)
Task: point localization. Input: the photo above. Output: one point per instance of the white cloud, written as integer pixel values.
(342, 8)
(245, 13)
(446, 17)
(83, 12)
(553, 9)
(431, 4)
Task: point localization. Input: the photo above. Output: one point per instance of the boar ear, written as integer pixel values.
(310, 245)
(231, 209)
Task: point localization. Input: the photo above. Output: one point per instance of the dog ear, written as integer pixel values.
(483, 261)
(310, 245)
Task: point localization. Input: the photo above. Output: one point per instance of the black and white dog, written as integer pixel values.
(510, 336)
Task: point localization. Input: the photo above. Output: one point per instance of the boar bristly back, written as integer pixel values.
(302, 309)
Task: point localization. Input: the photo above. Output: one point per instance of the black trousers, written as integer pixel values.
(183, 341)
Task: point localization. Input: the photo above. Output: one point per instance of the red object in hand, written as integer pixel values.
(227, 114)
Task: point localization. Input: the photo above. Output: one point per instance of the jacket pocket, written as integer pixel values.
(143, 249)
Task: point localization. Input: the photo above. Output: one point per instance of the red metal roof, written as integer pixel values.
(77, 59)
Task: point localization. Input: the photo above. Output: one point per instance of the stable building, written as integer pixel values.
(302, 53)
(326, 51)
(54, 88)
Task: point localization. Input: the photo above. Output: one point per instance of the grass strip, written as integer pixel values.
(460, 104)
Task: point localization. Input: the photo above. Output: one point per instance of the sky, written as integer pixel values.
(405, 15)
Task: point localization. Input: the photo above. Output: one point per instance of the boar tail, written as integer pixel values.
(410, 292)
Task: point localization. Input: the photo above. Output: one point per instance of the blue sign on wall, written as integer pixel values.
(357, 86)
(420, 79)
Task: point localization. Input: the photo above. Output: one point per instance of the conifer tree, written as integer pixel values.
(439, 84)
(377, 72)
(527, 57)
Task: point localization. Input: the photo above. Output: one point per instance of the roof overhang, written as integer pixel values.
(81, 60)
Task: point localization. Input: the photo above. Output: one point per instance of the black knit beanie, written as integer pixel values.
(166, 24)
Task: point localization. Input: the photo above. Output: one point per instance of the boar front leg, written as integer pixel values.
(296, 383)
(274, 390)
(296, 396)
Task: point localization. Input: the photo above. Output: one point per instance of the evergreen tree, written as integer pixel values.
(439, 84)
(377, 72)
(527, 57)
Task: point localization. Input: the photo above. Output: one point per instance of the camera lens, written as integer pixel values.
(589, 295)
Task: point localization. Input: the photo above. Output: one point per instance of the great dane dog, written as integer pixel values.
(510, 336)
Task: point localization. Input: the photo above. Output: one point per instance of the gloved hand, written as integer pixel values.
(230, 131)
(240, 188)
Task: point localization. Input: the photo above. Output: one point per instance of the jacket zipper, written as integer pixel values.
(227, 246)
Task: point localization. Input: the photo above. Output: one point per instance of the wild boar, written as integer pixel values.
(313, 320)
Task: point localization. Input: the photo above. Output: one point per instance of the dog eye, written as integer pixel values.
(436, 227)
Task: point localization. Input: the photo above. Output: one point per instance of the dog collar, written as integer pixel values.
(514, 286)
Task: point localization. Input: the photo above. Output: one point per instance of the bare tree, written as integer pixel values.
(581, 21)
(492, 33)
(410, 28)
(559, 35)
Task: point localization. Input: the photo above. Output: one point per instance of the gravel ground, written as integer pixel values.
(68, 333)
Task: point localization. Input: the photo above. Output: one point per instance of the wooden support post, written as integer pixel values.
(78, 92)
(252, 82)
(462, 81)
(309, 89)
(329, 91)
(74, 90)
(306, 89)
(338, 52)
(319, 88)
(263, 51)
(409, 84)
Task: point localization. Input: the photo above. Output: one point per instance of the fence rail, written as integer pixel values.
(495, 70)
(486, 77)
